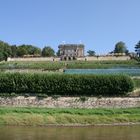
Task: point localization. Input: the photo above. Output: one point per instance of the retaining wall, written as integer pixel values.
(70, 102)
(100, 58)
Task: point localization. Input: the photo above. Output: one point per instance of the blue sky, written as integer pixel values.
(99, 24)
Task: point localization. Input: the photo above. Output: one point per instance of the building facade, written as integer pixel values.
(71, 51)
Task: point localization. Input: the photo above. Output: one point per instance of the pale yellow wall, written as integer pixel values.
(34, 59)
(101, 58)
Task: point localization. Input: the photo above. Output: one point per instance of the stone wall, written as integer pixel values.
(100, 58)
(34, 59)
(103, 58)
(70, 102)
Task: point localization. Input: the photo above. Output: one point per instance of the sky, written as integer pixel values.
(98, 24)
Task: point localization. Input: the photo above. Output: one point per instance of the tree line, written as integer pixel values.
(120, 48)
(7, 50)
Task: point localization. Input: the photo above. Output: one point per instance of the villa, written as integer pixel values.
(71, 51)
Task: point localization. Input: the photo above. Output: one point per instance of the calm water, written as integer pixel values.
(132, 71)
(70, 133)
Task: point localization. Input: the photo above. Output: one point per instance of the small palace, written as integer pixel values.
(71, 51)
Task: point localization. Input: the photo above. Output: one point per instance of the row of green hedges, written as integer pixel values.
(66, 85)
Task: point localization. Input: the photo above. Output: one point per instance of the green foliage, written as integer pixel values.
(101, 64)
(69, 65)
(48, 51)
(120, 48)
(32, 65)
(137, 49)
(65, 85)
(42, 96)
(1, 56)
(83, 98)
(55, 97)
(14, 51)
(21, 51)
(71, 111)
(58, 53)
(91, 53)
(30, 116)
(5, 50)
(136, 82)
(28, 50)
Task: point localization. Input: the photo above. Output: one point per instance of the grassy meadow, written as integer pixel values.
(53, 66)
(136, 82)
(46, 116)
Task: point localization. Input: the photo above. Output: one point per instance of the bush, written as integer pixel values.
(65, 85)
(83, 98)
(55, 97)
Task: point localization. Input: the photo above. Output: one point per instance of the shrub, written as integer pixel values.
(83, 98)
(55, 97)
(42, 95)
(65, 85)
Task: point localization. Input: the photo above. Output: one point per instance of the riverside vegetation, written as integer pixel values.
(53, 66)
(56, 85)
(45, 117)
(65, 85)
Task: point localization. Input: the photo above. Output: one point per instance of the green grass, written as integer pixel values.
(32, 65)
(102, 64)
(45, 116)
(68, 65)
(136, 82)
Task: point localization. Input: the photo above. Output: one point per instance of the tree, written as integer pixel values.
(91, 53)
(58, 53)
(36, 51)
(1, 56)
(28, 50)
(120, 47)
(5, 50)
(14, 50)
(21, 51)
(48, 51)
(137, 49)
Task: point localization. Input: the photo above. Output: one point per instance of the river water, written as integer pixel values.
(70, 133)
(129, 71)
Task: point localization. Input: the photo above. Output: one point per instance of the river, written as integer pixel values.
(70, 133)
(130, 71)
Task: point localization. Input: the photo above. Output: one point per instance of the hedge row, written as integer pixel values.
(65, 85)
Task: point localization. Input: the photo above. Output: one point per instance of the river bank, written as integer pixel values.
(68, 117)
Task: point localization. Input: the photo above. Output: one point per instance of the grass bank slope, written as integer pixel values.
(53, 66)
(45, 116)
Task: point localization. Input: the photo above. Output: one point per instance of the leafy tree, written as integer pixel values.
(36, 51)
(14, 50)
(120, 47)
(91, 53)
(1, 56)
(58, 53)
(137, 49)
(21, 51)
(48, 51)
(5, 50)
(28, 50)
